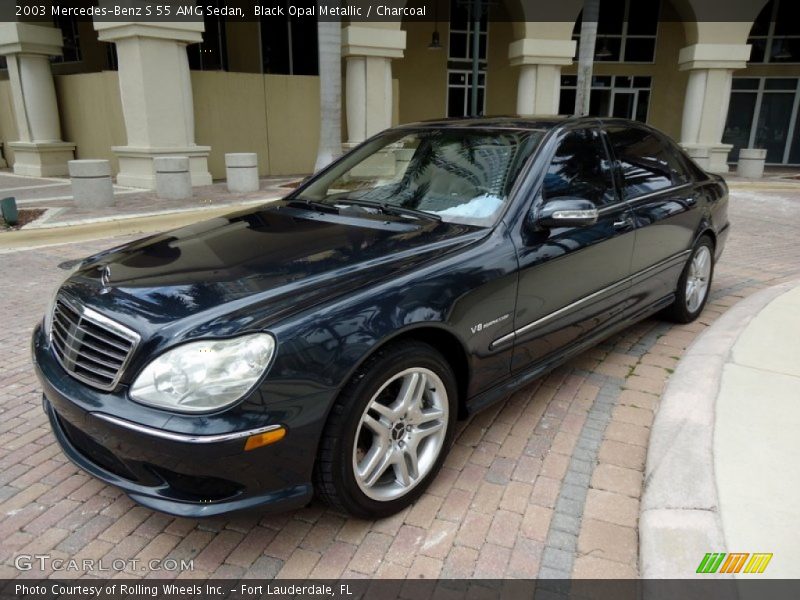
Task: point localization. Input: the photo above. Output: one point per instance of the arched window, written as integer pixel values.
(626, 31)
(775, 35)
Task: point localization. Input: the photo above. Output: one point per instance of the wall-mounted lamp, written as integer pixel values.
(604, 51)
(435, 42)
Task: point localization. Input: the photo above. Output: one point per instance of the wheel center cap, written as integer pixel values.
(398, 431)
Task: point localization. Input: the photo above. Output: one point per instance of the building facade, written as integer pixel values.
(130, 91)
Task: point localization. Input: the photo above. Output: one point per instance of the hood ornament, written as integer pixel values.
(105, 277)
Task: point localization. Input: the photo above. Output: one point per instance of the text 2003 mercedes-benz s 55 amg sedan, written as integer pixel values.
(328, 342)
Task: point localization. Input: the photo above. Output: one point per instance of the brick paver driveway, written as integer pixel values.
(547, 484)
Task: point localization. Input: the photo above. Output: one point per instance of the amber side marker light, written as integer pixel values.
(264, 439)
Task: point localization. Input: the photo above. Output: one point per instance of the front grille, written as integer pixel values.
(92, 348)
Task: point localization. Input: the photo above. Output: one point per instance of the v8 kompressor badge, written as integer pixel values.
(481, 326)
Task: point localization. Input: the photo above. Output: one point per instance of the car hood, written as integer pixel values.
(258, 265)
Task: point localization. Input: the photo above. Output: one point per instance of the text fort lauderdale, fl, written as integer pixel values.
(323, 10)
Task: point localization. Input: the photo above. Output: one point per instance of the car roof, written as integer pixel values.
(503, 122)
(533, 123)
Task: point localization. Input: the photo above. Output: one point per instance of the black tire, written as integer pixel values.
(334, 478)
(680, 311)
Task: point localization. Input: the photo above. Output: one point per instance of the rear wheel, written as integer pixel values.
(388, 432)
(694, 284)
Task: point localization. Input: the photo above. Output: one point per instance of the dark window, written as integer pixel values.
(459, 59)
(618, 96)
(647, 162)
(580, 169)
(775, 35)
(462, 31)
(642, 18)
(289, 45)
(211, 54)
(71, 50)
(640, 49)
(626, 31)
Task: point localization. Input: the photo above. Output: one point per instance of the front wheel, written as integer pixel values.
(389, 431)
(694, 284)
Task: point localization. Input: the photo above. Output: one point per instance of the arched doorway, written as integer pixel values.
(765, 98)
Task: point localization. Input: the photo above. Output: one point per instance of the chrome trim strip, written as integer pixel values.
(525, 328)
(667, 190)
(631, 202)
(183, 437)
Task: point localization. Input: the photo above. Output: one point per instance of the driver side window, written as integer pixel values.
(580, 169)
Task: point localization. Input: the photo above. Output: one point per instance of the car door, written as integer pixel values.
(664, 203)
(572, 280)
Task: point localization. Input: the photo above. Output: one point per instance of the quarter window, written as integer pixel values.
(647, 163)
(580, 169)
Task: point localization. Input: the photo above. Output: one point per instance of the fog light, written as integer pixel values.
(265, 439)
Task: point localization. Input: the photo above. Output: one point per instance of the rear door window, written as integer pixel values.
(646, 161)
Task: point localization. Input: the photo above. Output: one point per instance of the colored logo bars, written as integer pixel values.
(720, 562)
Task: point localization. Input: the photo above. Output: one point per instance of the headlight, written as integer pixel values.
(206, 375)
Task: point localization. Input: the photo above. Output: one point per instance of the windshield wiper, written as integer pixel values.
(390, 208)
(321, 206)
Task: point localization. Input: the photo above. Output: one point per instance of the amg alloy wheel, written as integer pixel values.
(698, 279)
(694, 283)
(401, 434)
(388, 432)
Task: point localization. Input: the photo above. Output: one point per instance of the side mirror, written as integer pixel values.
(567, 212)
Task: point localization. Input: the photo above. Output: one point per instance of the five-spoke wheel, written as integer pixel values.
(388, 432)
(699, 278)
(401, 434)
(694, 283)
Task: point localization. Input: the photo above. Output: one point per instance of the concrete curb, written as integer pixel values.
(64, 233)
(763, 185)
(679, 520)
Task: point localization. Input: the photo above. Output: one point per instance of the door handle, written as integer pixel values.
(626, 222)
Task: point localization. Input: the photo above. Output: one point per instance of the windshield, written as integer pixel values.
(461, 176)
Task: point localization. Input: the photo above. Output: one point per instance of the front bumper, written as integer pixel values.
(175, 473)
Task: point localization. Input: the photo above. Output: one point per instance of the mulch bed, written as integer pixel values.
(26, 215)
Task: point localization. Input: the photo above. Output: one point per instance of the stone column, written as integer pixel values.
(156, 92)
(40, 152)
(539, 82)
(708, 95)
(368, 86)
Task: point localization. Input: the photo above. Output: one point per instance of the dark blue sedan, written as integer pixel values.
(328, 343)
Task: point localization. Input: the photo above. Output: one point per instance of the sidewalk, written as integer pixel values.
(59, 220)
(723, 467)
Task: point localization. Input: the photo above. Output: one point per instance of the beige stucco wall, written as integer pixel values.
(292, 122)
(275, 116)
(501, 77)
(230, 116)
(8, 127)
(422, 74)
(91, 114)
